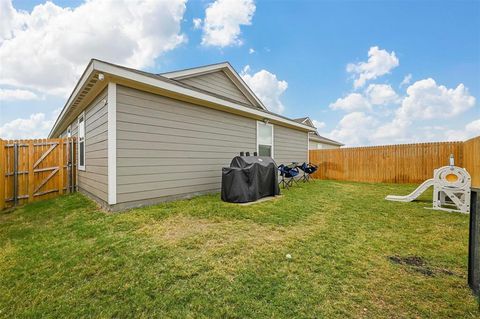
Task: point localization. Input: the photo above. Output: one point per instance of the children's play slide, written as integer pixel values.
(451, 189)
(413, 195)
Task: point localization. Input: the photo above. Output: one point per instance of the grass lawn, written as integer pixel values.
(353, 255)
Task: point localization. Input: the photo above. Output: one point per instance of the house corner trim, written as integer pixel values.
(112, 142)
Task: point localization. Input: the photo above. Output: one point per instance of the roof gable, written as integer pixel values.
(305, 120)
(220, 79)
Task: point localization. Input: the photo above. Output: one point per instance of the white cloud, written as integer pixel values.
(393, 132)
(406, 80)
(375, 94)
(421, 115)
(472, 129)
(48, 48)
(251, 51)
(352, 102)
(17, 95)
(427, 100)
(38, 125)
(318, 124)
(10, 20)
(197, 23)
(379, 62)
(223, 19)
(354, 129)
(267, 87)
(381, 94)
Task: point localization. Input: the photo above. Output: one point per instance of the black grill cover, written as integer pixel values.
(249, 178)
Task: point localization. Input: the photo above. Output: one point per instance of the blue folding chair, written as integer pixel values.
(288, 174)
(307, 170)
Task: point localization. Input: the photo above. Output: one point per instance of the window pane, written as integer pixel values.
(81, 147)
(264, 134)
(264, 150)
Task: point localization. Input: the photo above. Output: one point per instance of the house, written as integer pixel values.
(143, 138)
(316, 141)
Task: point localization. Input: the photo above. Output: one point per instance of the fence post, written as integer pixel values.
(474, 242)
(15, 173)
(61, 163)
(31, 173)
(67, 149)
(2, 174)
(75, 164)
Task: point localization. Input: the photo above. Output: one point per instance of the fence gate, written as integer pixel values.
(32, 170)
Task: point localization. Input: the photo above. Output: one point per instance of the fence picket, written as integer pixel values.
(60, 166)
(406, 163)
(38, 172)
(3, 166)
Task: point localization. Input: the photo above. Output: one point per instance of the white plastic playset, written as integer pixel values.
(451, 189)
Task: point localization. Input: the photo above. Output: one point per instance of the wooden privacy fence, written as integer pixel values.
(32, 170)
(406, 163)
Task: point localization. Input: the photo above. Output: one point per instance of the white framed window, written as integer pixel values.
(81, 142)
(264, 139)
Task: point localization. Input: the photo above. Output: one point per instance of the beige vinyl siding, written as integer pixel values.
(167, 147)
(94, 179)
(219, 83)
(289, 145)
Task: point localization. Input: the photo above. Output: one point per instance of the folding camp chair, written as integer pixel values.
(307, 170)
(288, 174)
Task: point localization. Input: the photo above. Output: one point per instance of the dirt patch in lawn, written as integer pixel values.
(409, 260)
(420, 265)
(225, 246)
(5, 253)
(187, 230)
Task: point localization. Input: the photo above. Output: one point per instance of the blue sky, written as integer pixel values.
(308, 45)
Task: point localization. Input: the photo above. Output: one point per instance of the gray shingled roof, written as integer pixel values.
(315, 136)
(318, 138)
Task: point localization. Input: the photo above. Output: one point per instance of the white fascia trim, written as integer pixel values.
(308, 121)
(212, 68)
(195, 71)
(81, 167)
(78, 87)
(112, 142)
(144, 79)
(308, 148)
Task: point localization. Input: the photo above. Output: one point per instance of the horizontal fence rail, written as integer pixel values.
(405, 163)
(32, 170)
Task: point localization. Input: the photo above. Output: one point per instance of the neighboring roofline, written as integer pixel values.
(305, 120)
(190, 72)
(318, 138)
(165, 84)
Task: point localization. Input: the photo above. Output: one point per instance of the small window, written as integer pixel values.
(264, 139)
(81, 142)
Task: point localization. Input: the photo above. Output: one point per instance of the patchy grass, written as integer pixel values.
(353, 255)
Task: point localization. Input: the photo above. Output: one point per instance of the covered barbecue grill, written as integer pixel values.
(249, 178)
